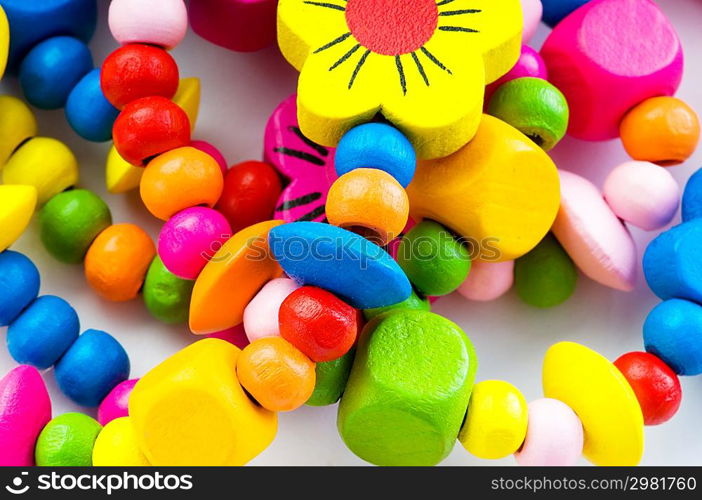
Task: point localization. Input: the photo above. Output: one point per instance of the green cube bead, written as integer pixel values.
(67, 441)
(167, 297)
(331, 380)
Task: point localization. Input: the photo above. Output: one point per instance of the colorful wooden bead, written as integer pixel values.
(70, 221)
(692, 197)
(17, 124)
(503, 214)
(67, 441)
(190, 238)
(601, 397)
(115, 404)
(191, 410)
(330, 380)
(421, 64)
(341, 262)
(245, 259)
(261, 314)
(594, 237)
(188, 98)
(672, 332)
(529, 64)
(88, 112)
(149, 127)
(534, 107)
(52, 68)
(241, 25)
(592, 60)
(19, 284)
(555, 10)
(532, 11)
(642, 194)
(487, 280)
(546, 276)
(120, 175)
(180, 179)
(413, 302)
(92, 367)
(235, 335)
(45, 163)
(215, 153)
(4, 41)
(138, 70)
(43, 332)
(432, 259)
(25, 408)
(656, 386)
(16, 210)
(250, 193)
(496, 421)
(116, 446)
(167, 297)
(117, 261)
(554, 435)
(158, 22)
(408, 391)
(662, 130)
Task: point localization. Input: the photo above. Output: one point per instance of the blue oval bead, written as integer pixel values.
(43, 332)
(342, 262)
(673, 332)
(556, 10)
(88, 112)
(376, 145)
(19, 285)
(92, 367)
(692, 197)
(51, 70)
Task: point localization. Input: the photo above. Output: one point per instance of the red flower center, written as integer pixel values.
(392, 27)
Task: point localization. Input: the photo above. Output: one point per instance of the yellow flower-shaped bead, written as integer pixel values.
(423, 64)
(16, 209)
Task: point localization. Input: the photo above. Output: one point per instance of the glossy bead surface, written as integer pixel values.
(17, 124)
(692, 197)
(330, 380)
(167, 297)
(487, 281)
(88, 112)
(67, 441)
(261, 314)
(115, 404)
(116, 446)
(19, 284)
(158, 22)
(16, 210)
(529, 64)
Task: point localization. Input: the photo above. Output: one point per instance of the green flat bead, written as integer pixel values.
(67, 441)
(167, 297)
(413, 302)
(331, 380)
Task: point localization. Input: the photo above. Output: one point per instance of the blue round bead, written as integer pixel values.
(19, 285)
(51, 70)
(88, 111)
(556, 10)
(43, 332)
(673, 332)
(692, 197)
(376, 145)
(92, 367)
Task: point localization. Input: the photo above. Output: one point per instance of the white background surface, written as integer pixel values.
(239, 92)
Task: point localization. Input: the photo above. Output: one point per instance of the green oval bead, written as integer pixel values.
(167, 297)
(533, 106)
(432, 259)
(546, 276)
(413, 302)
(331, 380)
(67, 441)
(70, 221)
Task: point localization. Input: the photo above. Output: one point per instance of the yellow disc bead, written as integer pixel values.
(116, 446)
(17, 205)
(17, 124)
(120, 175)
(496, 422)
(603, 400)
(188, 98)
(4, 40)
(45, 163)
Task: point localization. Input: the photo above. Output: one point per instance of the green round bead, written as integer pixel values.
(432, 259)
(167, 297)
(331, 380)
(70, 221)
(67, 441)
(533, 106)
(413, 302)
(546, 276)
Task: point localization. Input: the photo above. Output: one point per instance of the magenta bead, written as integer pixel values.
(234, 335)
(208, 148)
(190, 238)
(529, 63)
(116, 403)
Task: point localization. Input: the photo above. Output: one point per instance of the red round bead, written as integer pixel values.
(318, 323)
(148, 127)
(251, 191)
(136, 71)
(655, 384)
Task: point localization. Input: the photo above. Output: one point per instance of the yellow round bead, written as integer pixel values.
(4, 40)
(188, 98)
(116, 446)
(17, 205)
(496, 422)
(603, 400)
(45, 163)
(120, 175)
(17, 124)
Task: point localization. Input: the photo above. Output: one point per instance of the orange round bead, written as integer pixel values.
(369, 202)
(662, 130)
(180, 179)
(117, 261)
(276, 374)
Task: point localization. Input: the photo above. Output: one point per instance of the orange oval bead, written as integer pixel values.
(117, 261)
(662, 130)
(276, 374)
(369, 202)
(180, 179)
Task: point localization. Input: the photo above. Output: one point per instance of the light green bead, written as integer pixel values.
(167, 297)
(67, 441)
(413, 302)
(331, 380)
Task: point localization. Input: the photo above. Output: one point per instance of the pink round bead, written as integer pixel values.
(642, 194)
(156, 22)
(261, 315)
(234, 335)
(532, 11)
(488, 280)
(116, 403)
(191, 238)
(208, 148)
(554, 435)
(529, 63)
